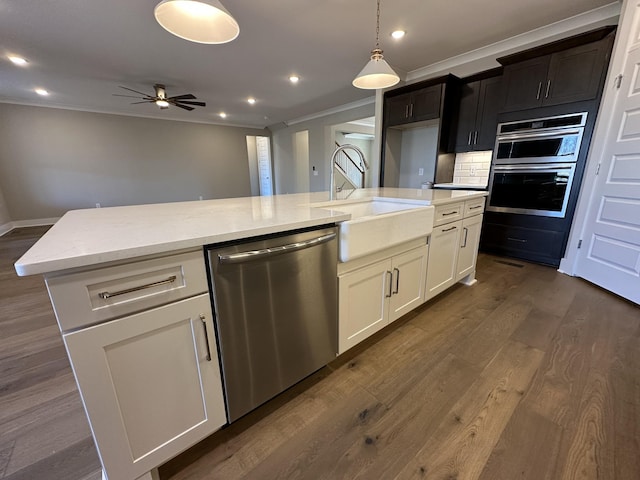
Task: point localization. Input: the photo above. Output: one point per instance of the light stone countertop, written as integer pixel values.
(88, 237)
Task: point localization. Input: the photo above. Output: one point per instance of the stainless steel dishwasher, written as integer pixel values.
(276, 312)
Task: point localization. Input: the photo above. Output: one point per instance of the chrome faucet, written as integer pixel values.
(363, 164)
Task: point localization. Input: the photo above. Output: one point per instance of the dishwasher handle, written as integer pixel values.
(250, 255)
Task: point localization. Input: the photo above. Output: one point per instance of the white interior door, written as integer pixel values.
(610, 252)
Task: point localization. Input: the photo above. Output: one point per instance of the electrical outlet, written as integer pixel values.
(420, 172)
(200, 197)
(473, 171)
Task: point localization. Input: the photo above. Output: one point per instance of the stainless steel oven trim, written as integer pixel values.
(583, 122)
(552, 159)
(538, 168)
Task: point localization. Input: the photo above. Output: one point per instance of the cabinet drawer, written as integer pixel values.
(90, 297)
(474, 207)
(448, 213)
(545, 246)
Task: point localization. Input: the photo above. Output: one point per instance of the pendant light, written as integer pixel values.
(377, 73)
(200, 21)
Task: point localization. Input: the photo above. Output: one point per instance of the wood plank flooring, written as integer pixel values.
(529, 374)
(44, 433)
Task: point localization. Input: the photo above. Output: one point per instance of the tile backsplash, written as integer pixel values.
(472, 167)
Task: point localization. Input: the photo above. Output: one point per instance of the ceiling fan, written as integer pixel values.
(183, 101)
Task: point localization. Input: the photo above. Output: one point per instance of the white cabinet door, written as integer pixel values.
(443, 255)
(150, 384)
(408, 284)
(470, 241)
(363, 299)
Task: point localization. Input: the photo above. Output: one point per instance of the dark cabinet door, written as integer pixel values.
(489, 104)
(397, 109)
(523, 84)
(425, 103)
(467, 113)
(480, 102)
(575, 74)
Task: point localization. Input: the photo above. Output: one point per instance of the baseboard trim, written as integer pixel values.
(36, 222)
(6, 228)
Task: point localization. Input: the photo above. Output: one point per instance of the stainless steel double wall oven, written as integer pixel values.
(534, 165)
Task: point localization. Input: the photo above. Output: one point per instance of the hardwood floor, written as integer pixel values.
(44, 433)
(529, 374)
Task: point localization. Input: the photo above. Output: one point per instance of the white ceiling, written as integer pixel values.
(82, 50)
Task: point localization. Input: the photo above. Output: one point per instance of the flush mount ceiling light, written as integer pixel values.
(377, 73)
(18, 60)
(42, 92)
(200, 21)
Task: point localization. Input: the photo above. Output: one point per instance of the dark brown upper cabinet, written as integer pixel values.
(478, 114)
(557, 77)
(422, 104)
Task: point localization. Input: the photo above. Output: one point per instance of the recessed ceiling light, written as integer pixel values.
(294, 79)
(18, 60)
(223, 115)
(42, 91)
(398, 34)
(251, 100)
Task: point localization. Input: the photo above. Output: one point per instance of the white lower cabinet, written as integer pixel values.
(150, 383)
(373, 296)
(469, 244)
(443, 248)
(454, 245)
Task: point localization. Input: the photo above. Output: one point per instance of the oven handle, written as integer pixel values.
(545, 134)
(546, 167)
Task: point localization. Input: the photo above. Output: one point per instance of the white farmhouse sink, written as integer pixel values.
(379, 223)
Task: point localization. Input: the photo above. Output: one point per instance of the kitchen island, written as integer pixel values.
(131, 346)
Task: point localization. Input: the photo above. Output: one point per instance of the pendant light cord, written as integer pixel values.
(378, 26)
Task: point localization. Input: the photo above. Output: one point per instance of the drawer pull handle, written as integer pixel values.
(397, 272)
(477, 206)
(206, 336)
(105, 295)
(450, 213)
(517, 239)
(448, 229)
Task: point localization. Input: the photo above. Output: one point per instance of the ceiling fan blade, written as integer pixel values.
(187, 96)
(144, 101)
(135, 91)
(197, 104)
(183, 106)
(128, 96)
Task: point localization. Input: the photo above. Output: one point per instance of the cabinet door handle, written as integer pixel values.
(475, 137)
(469, 140)
(539, 90)
(105, 295)
(449, 229)
(546, 94)
(411, 110)
(464, 242)
(206, 336)
(450, 213)
(390, 278)
(516, 240)
(397, 272)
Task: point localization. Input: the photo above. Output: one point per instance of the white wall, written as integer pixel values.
(54, 160)
(320, 149)
(4, 212)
